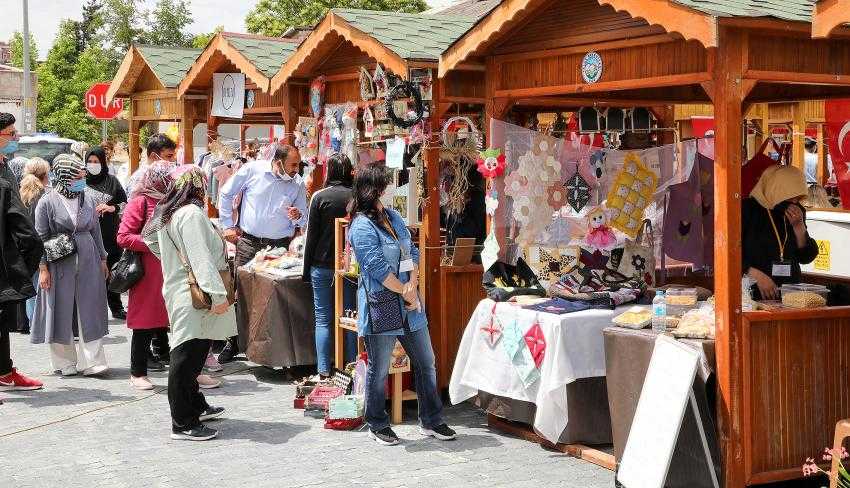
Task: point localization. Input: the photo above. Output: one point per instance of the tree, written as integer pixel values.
(16, 45)
(274, 17)
(167, 24)
(89, 28)
(122, 21)
(200, 41)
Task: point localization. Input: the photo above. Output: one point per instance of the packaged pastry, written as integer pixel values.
(696, 324)
(634, 318)
(681, 296)
(803, 299)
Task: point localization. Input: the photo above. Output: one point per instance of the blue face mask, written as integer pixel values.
(77, 186)
(9, 148)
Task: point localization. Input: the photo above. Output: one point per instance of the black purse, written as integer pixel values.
(59, 247)
(126, 272)
(383, 308)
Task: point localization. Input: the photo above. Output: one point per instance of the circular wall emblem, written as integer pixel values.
(249, 98)
(157, 107)
(591, 67)
(228, 92)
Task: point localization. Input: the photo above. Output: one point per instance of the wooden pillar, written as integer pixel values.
(133, 140)
(799, 136)
(187, 130)
(290, 115)
(212, 128)
(243, 128)
(429, 262)
(823, 169)
(729, 92)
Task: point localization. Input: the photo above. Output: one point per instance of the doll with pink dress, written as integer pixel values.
(599, 235)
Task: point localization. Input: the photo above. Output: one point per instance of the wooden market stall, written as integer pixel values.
(258, 58)
(348, 41)
(780, 375)
(149, 77)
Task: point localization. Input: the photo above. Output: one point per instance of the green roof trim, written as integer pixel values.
(267, 55)
(169, 64)
(410, 36)
(794, 10)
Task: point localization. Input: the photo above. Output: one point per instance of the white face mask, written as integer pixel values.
(387, 198)
(94, 168)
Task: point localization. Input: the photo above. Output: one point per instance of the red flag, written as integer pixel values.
(838, 127)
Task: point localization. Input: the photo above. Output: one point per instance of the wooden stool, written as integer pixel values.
(842, 431)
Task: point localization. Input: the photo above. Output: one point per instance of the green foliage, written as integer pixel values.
(274, 17)
(16, 45)
(122, 20)
(167, 22)
(90, 27)
(200, 41)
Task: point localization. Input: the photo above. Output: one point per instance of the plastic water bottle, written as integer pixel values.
(659, 312)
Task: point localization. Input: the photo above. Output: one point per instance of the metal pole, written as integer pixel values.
(28, 113)
(103, 134)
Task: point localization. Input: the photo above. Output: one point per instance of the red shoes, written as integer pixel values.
(15, 381)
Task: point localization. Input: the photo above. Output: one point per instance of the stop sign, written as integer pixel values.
(96, 103)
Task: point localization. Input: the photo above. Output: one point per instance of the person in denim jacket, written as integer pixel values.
(388, 261)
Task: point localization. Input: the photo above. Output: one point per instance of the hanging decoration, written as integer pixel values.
(404, 89)
(423, 78)
(367, 87)
(317, 95)
(306, 139)
(491, 202)
(381, 82)
(578, 191)
(350, 133)
(491, 163)
(368, 122)
(631, 193)
(458, 156)
(599, 234)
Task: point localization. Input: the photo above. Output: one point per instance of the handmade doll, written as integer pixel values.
(599, 234)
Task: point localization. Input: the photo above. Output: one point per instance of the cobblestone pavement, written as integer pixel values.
(87, 432)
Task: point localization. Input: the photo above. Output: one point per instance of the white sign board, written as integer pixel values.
(228, 95)
(658, 418)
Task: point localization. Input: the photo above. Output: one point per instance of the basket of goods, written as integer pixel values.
(318, 400)
(804, 296)
(634, 318)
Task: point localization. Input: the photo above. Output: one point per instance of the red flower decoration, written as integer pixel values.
(491, 163)
(536, 342)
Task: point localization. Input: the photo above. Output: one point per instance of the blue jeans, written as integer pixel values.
(418, 347)
(323, 302)
(31, 301)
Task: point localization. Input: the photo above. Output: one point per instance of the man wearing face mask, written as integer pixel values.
(274, 204)
(8, 147)
(110, 200)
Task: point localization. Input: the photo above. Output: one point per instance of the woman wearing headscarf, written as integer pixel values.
(774, 236)
(72, 291)
(110, 199)
(146, 314)
(179, 232)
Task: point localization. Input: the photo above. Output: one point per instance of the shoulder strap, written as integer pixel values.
(179, 252)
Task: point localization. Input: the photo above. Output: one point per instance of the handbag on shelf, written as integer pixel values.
(126, 272)
(59, 247)
(638, 260)
(201, 300)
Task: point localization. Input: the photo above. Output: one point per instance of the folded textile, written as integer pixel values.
(559, 306)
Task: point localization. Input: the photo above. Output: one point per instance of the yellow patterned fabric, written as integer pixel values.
(630, 194)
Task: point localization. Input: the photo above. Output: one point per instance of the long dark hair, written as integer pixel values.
(340, 171)
(368, 186)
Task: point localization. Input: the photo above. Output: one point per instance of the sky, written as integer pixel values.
(45, 15)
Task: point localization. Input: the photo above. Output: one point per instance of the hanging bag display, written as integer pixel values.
(638, 260)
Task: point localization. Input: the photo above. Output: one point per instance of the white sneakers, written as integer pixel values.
(141, 383)
(207, 382)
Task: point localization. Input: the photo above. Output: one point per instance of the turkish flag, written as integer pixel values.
(838, 127)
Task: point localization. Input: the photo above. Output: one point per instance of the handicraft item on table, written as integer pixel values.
(492, 332)
(404, 89)
(513, 342)
(367, 87)
(536, 342)
(631, 193)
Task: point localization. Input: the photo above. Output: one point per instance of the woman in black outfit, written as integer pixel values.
(327, 205)
(109, 208)
(774, 236)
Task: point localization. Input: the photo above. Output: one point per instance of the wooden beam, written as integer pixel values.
(471, 67)
(632, 84)
(728, 98)
(430, 255)
(829, 15)
(798, 137)
(797, 78)
(673, 17)
(583, 48)
(187, 130)
(499, 20)
(122, 82)
(133, 142)
(596, 41)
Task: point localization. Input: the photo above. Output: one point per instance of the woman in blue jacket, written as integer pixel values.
(389, 273)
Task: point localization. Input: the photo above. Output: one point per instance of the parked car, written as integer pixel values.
(43, 145)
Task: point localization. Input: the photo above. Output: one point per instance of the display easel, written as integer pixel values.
(345, 324)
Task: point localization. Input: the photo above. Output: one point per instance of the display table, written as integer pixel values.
(275, 319)
(627, 355)
(574, 350)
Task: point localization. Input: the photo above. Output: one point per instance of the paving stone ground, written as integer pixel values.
(87, 432)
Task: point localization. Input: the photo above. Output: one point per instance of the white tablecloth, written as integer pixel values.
(574, 350)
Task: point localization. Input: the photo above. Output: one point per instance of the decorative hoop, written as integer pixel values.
(474, 140)
(405, 89)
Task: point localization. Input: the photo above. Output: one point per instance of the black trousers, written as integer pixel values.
(140, 346)
(113, 299)
(184, 396)
(8, 321)
(246, 248)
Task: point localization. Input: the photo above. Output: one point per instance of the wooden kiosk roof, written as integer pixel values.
(397, 40)
(732, 54)
(152, 66)
(258, 57)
